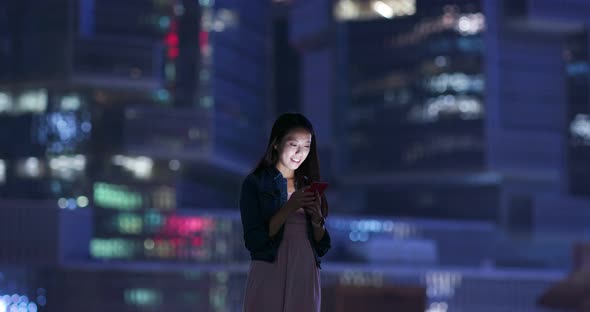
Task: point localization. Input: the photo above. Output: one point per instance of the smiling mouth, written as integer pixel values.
(296, 161)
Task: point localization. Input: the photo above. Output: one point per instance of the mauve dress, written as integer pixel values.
(292, 282)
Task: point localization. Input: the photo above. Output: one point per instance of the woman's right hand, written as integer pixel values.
(300, 199)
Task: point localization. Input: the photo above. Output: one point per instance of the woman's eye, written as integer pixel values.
(306, 146)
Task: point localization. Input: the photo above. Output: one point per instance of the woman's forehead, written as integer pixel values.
(298, 135)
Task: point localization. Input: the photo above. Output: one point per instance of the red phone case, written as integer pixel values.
(319, 186)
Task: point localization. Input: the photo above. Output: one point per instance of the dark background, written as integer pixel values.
(455, 135)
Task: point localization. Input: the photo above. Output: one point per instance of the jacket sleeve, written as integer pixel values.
(254, 224)
(324, 244)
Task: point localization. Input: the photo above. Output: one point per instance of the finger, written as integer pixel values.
(311, 209)
(308, 201)
(311, 212)
(309, 194)
(303, 193)
(307, 198)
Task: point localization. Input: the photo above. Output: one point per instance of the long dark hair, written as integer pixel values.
(309, 170)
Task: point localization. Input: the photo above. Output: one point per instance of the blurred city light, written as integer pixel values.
(580, 128)
(366, 10)
(70, 103)
(383, 9)
(30, 167)
(32, 101)
(67, 167)
(5, 102)
(116, 197)
(140, 166)
(2, 171)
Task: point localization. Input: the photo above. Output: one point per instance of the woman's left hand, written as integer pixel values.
(315, 208)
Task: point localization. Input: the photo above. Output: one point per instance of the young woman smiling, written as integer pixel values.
(283, 224)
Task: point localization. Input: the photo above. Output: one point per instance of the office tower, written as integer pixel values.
(196, 155)
(286, 62)
(536, 121)
(409, 109)
(113, 115)
(577, 175)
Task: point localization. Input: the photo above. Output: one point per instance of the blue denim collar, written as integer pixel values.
(274, 172)
(277, 175)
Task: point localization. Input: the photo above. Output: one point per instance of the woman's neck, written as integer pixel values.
(286, 172)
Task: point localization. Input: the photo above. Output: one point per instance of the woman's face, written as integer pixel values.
(293, 149)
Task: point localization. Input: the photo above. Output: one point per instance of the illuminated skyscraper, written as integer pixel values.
(132, 109)
(409, 110)
(436, 110)
(577, 174)
(536, 69)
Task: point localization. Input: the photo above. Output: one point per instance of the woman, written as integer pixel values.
(284, 225)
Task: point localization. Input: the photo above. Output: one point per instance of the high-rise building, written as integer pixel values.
(134, 109)
(536, 68)
(65, 72)
(578, 115)
(195, 155)
(131, 109)
(287, 67)
(408, 112)
(436, 112)
(154, 288)
(410, 93)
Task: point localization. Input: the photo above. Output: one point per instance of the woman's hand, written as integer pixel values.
(314, 209)
(300, 199)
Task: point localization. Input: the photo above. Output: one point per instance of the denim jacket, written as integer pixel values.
(262, 195)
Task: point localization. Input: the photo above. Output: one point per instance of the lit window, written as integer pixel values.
(359, 279)
(366, 10)
(465, 24)
(128, 223)
(206, 3)
(112, 248)
(580, 128)
(143, 297)
(2, 171)
(438, 307)
(442, 284)
(224, 19)
(70, 103)
(63, 132)
(458, 82)
(470, 24)
(164, 198)
(140, 166)
(30, 168)
(32, 101)
(116, 197)
(463, 106)
(67, 167)
(5, 103)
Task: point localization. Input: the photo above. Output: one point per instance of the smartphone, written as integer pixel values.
(317, 186)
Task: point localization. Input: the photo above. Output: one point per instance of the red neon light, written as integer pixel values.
(173, 52)
(171, 39)
(203, 39)
(186, 226)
